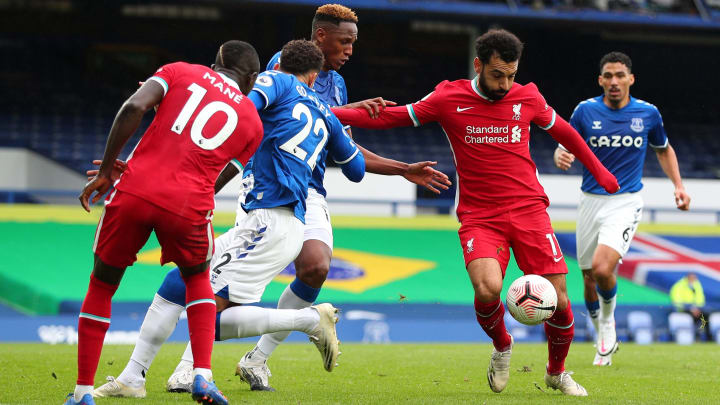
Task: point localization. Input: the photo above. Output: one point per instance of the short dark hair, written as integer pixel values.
(334, 14)
(238, 55)
(507, 46)
(616, 57)
(301, 56)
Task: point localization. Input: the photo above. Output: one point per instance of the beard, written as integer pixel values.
(494, 95)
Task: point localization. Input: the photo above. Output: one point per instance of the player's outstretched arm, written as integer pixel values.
(668, 162)
(566, 135)
(373, 106)
(126, 123)
(563, 159)
(420, 173)
(390, 117)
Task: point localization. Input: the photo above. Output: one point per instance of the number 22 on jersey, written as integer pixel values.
(302, 112)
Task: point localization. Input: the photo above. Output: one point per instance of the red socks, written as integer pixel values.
(560, 330)
(490, 317)
(200, 309)
(93, 322)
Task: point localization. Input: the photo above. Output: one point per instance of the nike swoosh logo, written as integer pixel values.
(558, 259)
(463, 109)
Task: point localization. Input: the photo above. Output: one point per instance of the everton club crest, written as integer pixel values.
(637, 125)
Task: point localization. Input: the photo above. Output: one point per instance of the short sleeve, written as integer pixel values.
(253, 131)
(270, 85)
(657, 137)
(165, 76)
(544, 114)
(427, 109)
(274, 63)
(340, 145)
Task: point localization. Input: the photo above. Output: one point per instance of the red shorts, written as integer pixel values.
(126, 224)
(525, 229)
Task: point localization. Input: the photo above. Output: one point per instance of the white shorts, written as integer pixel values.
(610, 220)
(317, 215)
(250, 255)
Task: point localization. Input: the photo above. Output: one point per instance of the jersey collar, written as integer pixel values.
(228, 80)
(476, 88)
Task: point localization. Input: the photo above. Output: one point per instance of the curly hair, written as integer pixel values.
(334, 14)
(507, 46)
(616, 57)
(301, 56)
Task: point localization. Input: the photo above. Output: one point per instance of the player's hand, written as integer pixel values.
(99, 184)
(372, 105)
(563, 159)
(422, 174)
(682, 199)
(118, 168)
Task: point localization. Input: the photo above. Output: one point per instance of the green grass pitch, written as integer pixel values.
(389, 374)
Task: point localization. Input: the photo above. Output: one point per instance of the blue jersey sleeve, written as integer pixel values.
(345, 153)
(274, 63)
(657, 138)
(269, 86)
(342, 89)
(576, 119)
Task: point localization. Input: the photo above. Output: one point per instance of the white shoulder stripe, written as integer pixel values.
(262, 93)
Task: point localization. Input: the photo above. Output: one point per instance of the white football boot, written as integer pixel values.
(565, 384)
(254, 371)
(181, 379)
(498, 373)
(607, 343)
(325, 335)
(602, 360)
(114, 388)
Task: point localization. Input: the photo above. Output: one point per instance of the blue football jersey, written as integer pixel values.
(330, 87)
(619, 139)
(298, 127)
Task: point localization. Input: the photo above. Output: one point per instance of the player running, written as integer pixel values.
(202, 122)
(270, 236)
(618, 128)
(501, 202)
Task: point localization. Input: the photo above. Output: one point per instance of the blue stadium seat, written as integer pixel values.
(640, 327)
(682, 328)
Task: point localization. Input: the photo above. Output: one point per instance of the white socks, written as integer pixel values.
(81, 390)
(607, 308)
(159, 323)
(244, 321)
(205, 372)
(268, 343)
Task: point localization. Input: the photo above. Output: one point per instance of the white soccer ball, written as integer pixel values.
(531, 299)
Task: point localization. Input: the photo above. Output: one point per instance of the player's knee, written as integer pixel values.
(486, 291)
(601, 270)
(562, 301)
(313, 274)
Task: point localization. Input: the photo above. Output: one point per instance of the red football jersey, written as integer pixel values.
(202, 123)
(490, 142)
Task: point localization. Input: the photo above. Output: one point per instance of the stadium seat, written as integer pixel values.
(682, 328)
(714, 325)
(640, 327)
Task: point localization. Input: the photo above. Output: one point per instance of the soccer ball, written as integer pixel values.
(531, 299)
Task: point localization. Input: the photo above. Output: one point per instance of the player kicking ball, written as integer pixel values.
(251, 254)
(501, 202)
(618, 129)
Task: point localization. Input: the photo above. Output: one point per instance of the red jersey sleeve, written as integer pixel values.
(254, 133)
(544, 114)
(416, 114)
(165, 75)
